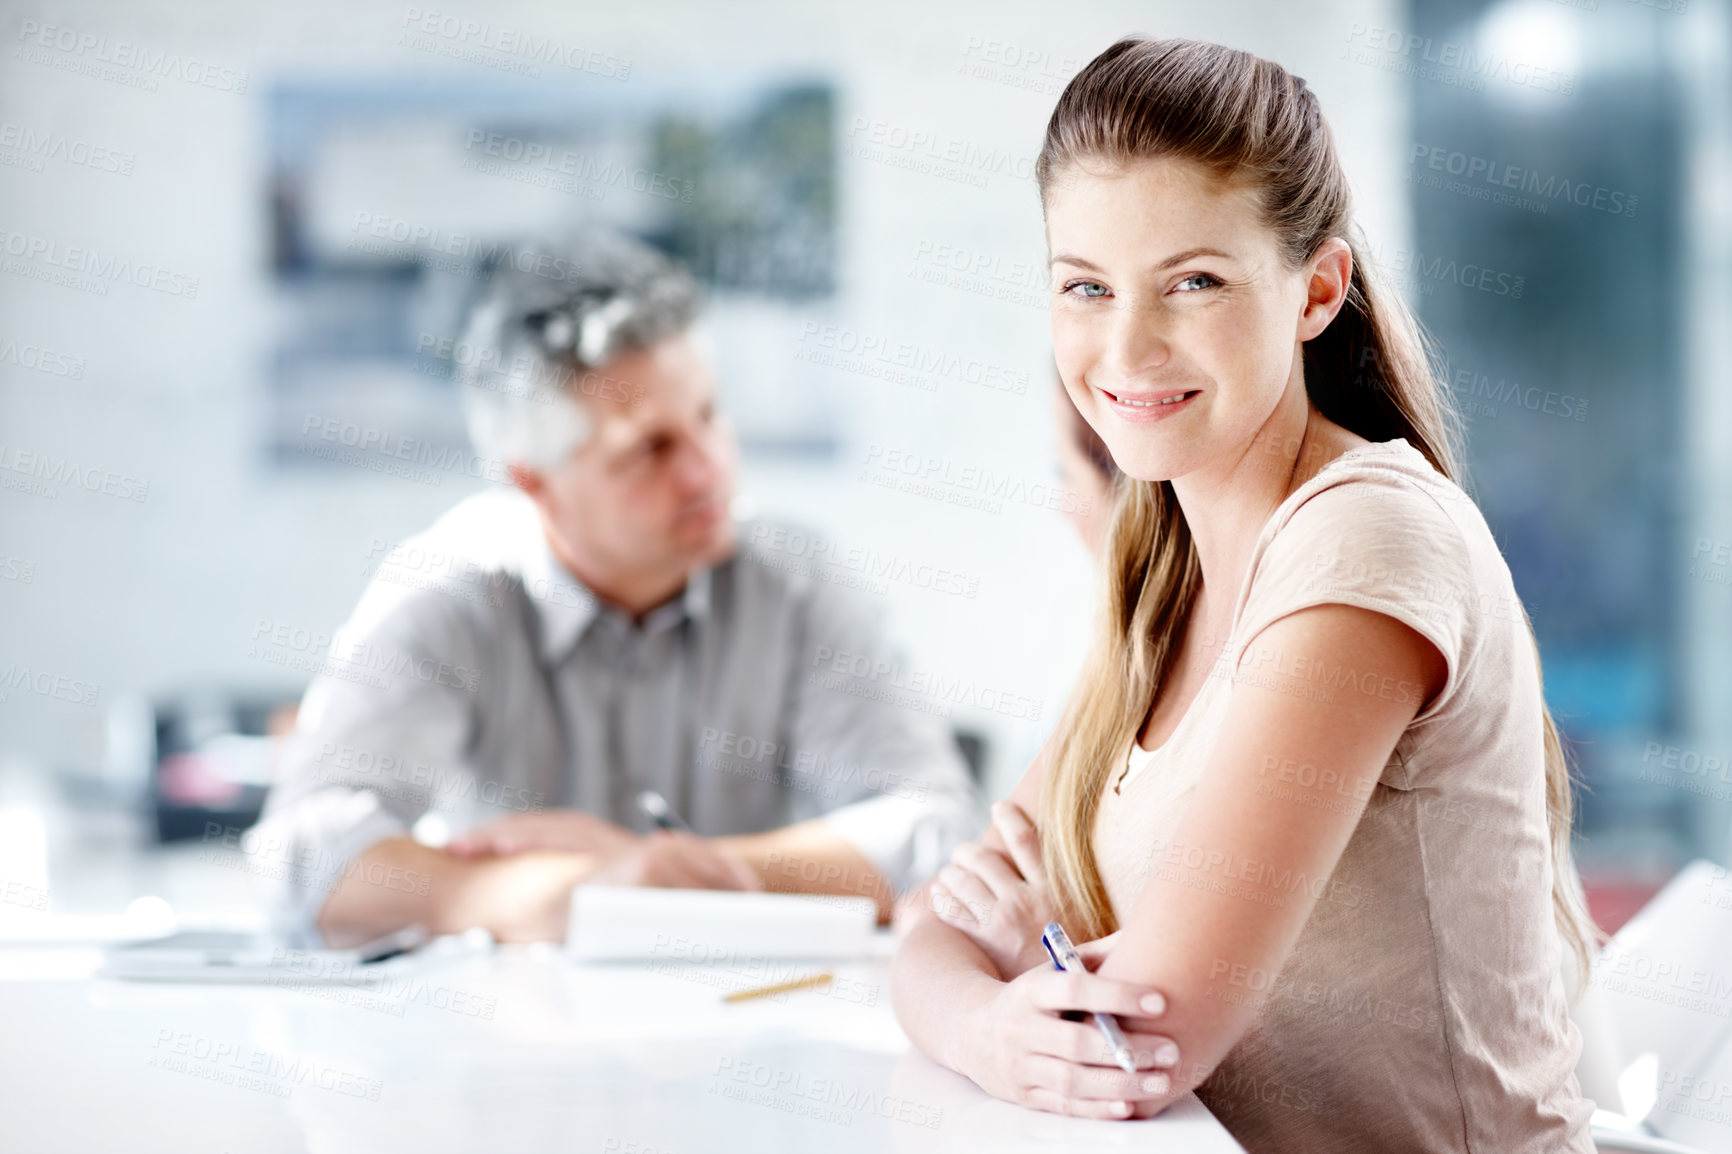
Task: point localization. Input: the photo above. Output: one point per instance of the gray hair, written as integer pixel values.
(546, 316)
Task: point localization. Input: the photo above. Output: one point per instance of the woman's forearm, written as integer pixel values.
(938, 978)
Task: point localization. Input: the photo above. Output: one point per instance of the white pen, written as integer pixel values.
(1065, 957)
(659, 811)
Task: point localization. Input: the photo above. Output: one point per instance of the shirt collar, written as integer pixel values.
(565, 607)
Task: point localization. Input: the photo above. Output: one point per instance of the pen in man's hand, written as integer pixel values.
(659, 811)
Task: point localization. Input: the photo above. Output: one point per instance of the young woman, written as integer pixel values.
(1307, 802)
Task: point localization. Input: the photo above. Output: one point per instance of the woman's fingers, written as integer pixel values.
(1083, 1042)
(1056, 992)
(1040, 1098)
(966, 885)
(1095, 952)
(989, 866)
(950, 909)
(1093, 1083)
(1151, 1051)
(1022, 839)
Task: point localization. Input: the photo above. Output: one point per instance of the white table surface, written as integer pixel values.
(518, 1050)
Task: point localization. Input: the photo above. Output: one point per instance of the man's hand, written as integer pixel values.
(565, 830)
(667, 859)
(518, 898)
(676, 861)
(1001, 902)
(521, 896)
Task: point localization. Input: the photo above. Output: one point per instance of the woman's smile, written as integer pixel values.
(1145, 407)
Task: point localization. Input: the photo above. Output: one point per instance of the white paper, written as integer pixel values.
(640, 923)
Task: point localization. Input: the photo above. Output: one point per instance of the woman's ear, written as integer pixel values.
(1327, 277)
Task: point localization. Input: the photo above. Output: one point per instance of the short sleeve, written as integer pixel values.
(1382, 544)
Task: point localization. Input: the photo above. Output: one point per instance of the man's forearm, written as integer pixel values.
(399, 882)
(811, 857)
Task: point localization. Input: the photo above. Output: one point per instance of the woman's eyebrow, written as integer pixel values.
(1176, 258)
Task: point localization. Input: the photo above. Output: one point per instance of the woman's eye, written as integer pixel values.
(1087, 286)
(1201, 279)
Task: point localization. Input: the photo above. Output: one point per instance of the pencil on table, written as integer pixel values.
(819, 979)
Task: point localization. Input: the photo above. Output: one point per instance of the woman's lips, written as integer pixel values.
(1146, 407)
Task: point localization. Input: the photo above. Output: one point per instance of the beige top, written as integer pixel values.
(1423, 1007)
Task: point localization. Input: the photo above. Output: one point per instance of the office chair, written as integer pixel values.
(1608, 1141)
(1649, 1014)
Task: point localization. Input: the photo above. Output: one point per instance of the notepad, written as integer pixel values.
(217, 956)
(633, 923)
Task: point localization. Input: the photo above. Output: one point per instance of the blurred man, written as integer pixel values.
(526, 668)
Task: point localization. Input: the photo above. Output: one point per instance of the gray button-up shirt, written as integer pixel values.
(478, 678)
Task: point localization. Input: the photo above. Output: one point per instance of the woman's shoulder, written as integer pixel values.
(1383, 496)
(1383, 471)
(1380, 528)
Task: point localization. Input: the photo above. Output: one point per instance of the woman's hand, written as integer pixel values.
(1001, 903)
(1017, 1047)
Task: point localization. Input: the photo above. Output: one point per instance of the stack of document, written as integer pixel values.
(631, 923)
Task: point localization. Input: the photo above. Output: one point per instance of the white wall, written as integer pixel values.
(164, 593)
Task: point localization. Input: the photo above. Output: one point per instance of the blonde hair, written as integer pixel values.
(1249, 121)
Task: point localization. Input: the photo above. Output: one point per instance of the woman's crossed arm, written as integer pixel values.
(1284, 788)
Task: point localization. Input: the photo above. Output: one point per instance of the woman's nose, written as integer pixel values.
(1137, 340)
